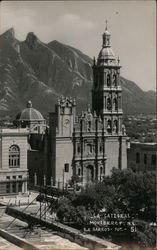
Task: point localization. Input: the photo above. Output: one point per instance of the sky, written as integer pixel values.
(132, 25)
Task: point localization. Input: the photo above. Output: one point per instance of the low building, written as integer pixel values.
(13, 161)
(142, 156)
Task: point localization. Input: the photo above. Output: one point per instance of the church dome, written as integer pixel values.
(106, 53)
(29, 114)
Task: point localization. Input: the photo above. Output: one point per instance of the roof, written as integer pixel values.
(106, 53)
(29, 114)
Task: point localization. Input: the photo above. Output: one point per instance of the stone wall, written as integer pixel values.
(17, 240)
(74, 235)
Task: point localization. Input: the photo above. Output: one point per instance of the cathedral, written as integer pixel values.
(87, 146)
(91, 144)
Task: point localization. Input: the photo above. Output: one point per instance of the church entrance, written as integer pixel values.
(90, 173)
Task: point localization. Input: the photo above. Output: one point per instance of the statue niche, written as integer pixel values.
(109, 128)
(109, 104)
(115, 104)
(115, 126)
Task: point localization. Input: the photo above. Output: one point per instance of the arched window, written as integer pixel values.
(108, 80)
(14, 156)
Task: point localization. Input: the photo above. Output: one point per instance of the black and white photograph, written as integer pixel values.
(78, 125)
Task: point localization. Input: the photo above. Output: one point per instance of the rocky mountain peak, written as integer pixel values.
(9, 34)
(33, 70)
(32, 40)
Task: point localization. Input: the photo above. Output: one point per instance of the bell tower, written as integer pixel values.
(107, 91)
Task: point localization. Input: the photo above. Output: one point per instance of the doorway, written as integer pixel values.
(90, 173)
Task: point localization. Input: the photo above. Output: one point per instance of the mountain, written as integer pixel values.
(42, 72)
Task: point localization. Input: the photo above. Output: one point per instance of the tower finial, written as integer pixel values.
(106, 24)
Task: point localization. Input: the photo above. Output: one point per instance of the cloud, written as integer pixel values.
(76, 22)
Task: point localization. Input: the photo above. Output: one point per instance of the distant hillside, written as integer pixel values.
(42, 72)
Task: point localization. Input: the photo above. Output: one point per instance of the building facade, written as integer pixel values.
(61, 141)
(13, 161)
(142, 156)
(91, 144)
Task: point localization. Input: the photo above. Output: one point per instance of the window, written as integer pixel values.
(100, 148)
(79, 172)
(145, 159)
(20, 176)
(89, 126)
(101, 170)
(14, 156)
(8, 177)
(37, 144)
(8, 187)
(153, 160)
(20, 186)
(14, 187)
(66, 167)
(78, 149)
(137, 157)
(115, 104)
(108, 80)
(14, 177)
